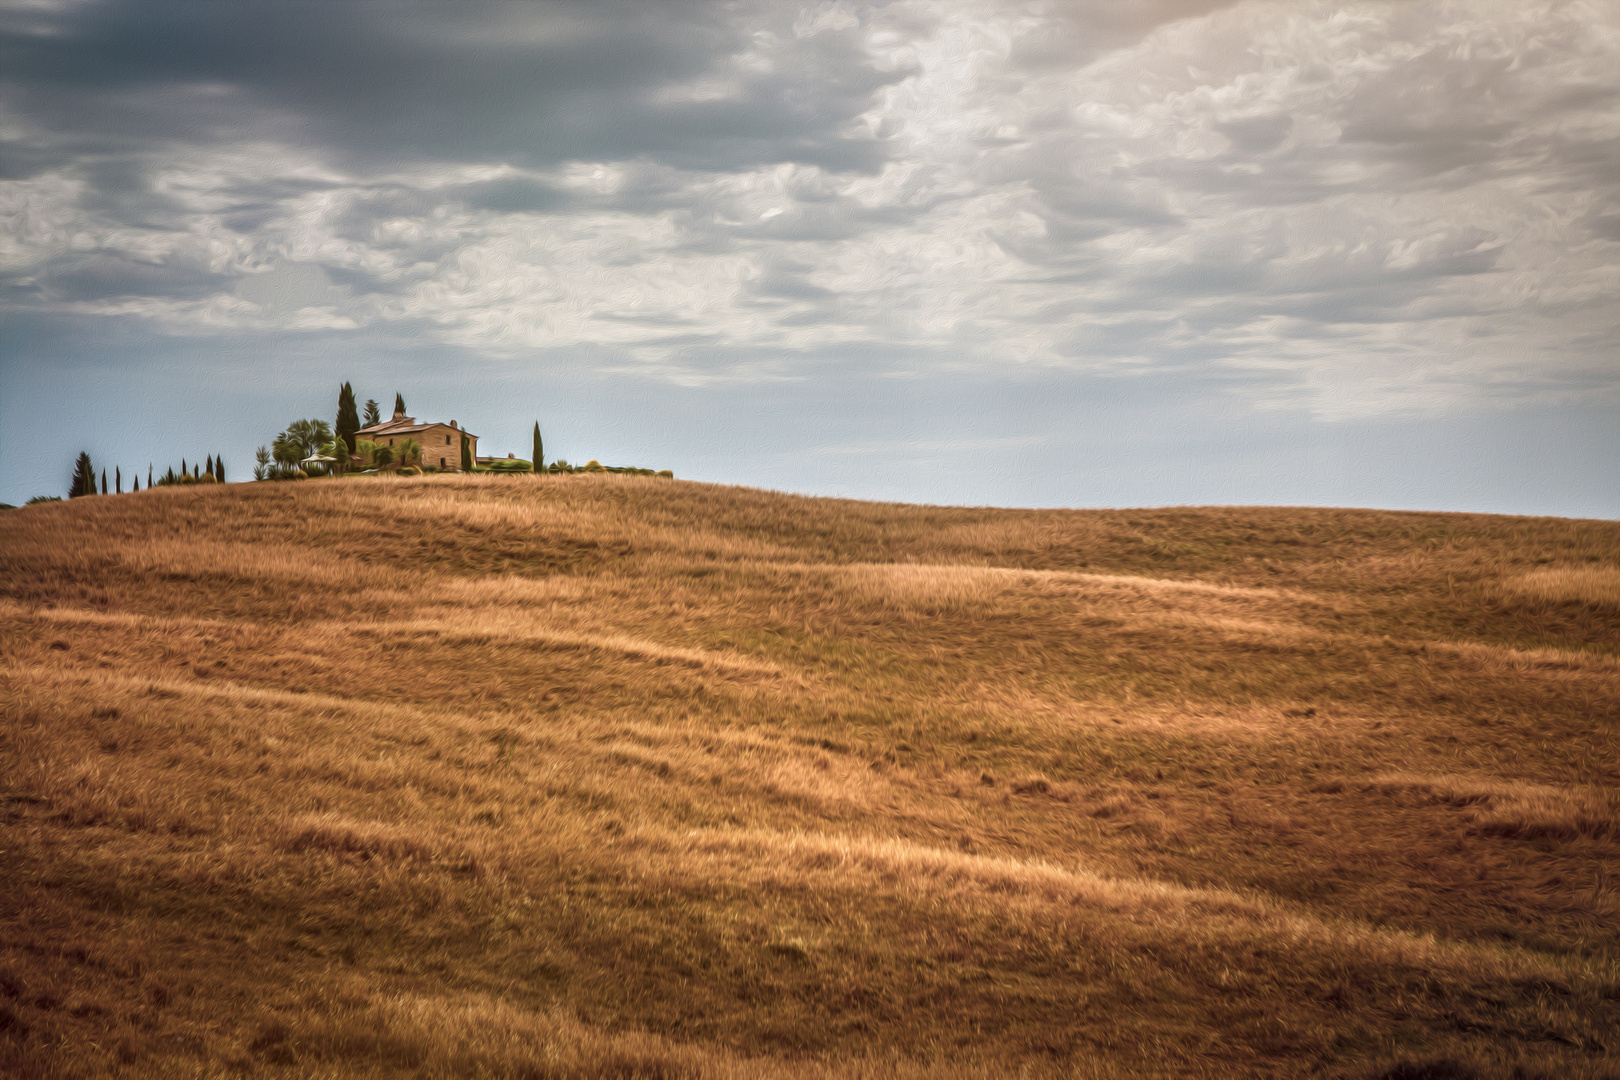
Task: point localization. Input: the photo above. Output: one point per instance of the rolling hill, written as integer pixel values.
(623, 777)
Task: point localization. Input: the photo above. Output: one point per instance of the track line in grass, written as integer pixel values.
(785, 859)
(622, 644)
(605, 745)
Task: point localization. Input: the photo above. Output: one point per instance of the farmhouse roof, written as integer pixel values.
(406, 425)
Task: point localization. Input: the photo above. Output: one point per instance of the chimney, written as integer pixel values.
(452, 424)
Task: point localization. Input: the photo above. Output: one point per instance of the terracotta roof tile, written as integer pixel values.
(405, 427)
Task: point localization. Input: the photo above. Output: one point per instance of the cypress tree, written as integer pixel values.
(149, 476)
(539, 450)
(84, 477)
(399, 404)
(182, 466)
(466, 454)
(136, 483)
(348, 421)
(196, 472)
(209, 467)
(373, 413)
(118, 480)
(219, 468)
(104, 481)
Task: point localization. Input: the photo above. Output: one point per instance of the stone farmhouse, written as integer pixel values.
(440, 442)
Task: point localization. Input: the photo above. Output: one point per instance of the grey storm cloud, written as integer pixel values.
(1355, 208)
(102, 275)
(530, 84)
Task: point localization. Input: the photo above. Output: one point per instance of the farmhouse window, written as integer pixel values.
(441, 463)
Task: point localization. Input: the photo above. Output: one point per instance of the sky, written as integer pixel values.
(986, 252)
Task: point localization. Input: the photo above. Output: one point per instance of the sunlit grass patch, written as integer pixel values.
(1122, 909)
(941, 588)
(479, 1035)
(343, 836)
(1513, 808)
(506, 628)
(1154, 584)
(1561, 664)
(1598, 586)
(929, 587)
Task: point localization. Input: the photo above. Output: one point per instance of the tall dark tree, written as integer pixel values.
(183, 469)
(84, 477)
(104, 481)
(208, 467)
(118, 480)
(149, 475)
(399, 404)
(539, 450)
(136, 482)
(373, 413)
(219, 468)
(348, 420)
(196, 471)
(466, 454)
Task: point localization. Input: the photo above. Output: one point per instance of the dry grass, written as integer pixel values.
(1507, 808)
(1598, 586)
(601, 776)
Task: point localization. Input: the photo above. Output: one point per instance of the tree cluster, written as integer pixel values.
(84, 482)
(210, 472)
(315, 448)
(298, 452)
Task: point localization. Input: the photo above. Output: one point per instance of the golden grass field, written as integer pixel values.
(606, 776)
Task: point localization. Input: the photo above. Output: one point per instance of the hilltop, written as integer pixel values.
(620, 777)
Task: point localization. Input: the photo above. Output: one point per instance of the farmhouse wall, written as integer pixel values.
(441, 443)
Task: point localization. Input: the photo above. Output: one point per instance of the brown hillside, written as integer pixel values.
(621, 777)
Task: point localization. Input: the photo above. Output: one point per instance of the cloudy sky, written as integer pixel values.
(972, 251)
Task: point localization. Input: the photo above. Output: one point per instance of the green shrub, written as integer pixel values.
(410, 470)
(666, 474)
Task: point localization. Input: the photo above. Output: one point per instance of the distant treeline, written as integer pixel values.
(308, 448)
(560, 466)
(211, 471)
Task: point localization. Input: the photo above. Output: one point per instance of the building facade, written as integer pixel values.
(440, 442)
